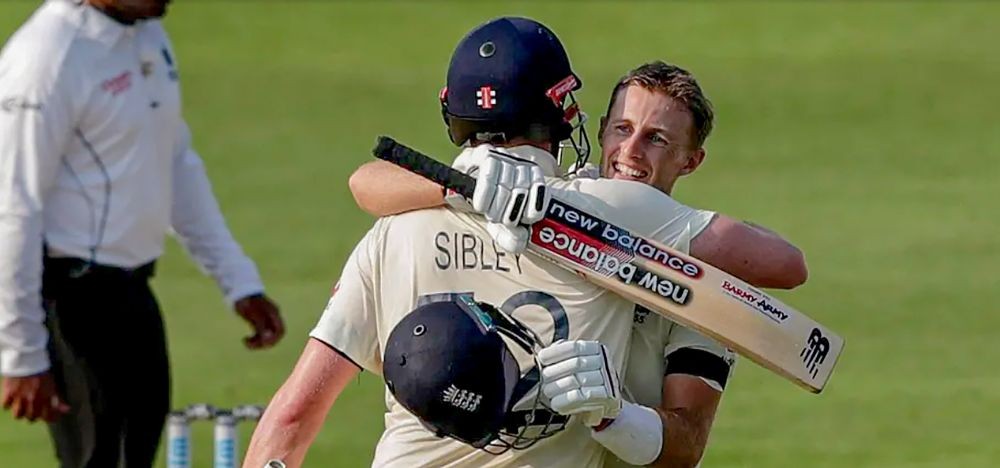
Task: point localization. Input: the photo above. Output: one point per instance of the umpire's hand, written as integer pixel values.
(33, 397)
(264, 317)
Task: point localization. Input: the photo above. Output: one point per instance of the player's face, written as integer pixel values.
(132, 10)
(648, 137)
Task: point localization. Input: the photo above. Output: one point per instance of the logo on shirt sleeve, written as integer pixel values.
(17, 103)
(172, 73)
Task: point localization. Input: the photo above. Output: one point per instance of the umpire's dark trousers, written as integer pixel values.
(109, 358)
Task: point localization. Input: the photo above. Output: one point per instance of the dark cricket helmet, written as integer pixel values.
(447, 364)
(511, 77)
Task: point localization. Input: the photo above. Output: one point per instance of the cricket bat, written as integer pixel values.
(666, 281)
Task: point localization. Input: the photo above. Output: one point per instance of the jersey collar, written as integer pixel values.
(99, 26)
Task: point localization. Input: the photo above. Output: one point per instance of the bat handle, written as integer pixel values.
(392, 151)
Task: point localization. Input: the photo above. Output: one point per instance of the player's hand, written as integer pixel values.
(509, 190)
(467, 162)
(510, 193)
(578, 378)
(33, 397)
(263, 315)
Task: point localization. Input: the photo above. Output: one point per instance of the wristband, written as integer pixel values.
(635, 436)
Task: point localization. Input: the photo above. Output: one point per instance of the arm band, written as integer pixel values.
(635, 436)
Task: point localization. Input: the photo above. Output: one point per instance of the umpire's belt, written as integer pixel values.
(73, 268)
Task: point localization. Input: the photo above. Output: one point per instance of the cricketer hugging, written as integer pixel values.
(601, 330)
(523, 306)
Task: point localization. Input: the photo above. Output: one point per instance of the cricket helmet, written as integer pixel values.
(448, 364)
(511, 77)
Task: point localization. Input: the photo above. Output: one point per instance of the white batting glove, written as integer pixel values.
(578, 377)
(509, 190)
(467, 162)
(510, 193)
(511, 239)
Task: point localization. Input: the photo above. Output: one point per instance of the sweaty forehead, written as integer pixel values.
(651, 109)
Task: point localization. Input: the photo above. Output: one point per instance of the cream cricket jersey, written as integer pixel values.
(96, 160)
(412, 257)
(654, 339)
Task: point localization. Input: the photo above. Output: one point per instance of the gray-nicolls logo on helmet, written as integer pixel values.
(511, 78)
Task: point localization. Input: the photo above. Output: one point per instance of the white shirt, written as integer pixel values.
(408, 258)
(96, 160)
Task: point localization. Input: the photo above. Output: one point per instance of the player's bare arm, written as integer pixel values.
(752, 253)
(384, 189)
(298, 409)
(687, 411)
(745, 250)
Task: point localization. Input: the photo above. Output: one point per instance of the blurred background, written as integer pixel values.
(865, 132)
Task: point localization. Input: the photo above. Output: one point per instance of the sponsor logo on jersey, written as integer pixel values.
(640, 314)
(623, 240)
(815, 351)
(172, 70)
(118, 84)
(15, 103)
(756, 300)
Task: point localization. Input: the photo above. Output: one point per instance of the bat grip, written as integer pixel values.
(390, 150)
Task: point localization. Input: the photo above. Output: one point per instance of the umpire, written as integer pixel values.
(96, 167)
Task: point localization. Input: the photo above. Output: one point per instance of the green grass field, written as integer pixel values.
(864, 132)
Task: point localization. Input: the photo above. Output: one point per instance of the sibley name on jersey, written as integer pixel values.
(468, 251)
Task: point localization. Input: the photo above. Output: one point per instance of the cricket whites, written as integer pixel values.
(673, 284)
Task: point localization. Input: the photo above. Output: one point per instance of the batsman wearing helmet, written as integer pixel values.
(509, 100)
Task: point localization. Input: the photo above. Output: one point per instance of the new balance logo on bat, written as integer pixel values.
(587, 252)
(620, 239)
(814, 353)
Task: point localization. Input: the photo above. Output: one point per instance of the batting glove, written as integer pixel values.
(578, 377)
(510, 193)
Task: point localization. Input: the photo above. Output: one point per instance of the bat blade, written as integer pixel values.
(665, 281)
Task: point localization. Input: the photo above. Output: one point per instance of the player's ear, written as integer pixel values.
(600, 131)
(695, 158)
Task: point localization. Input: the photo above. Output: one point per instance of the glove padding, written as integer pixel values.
(510, 193)
(578, 377)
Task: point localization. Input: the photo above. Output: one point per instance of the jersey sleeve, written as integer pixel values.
(690, 352)
(640, 208)
(198, 224)
(36, 121)
(349, 321)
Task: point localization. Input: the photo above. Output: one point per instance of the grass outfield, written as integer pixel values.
(864, 132)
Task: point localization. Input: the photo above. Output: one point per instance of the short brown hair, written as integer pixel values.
(677, 83)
